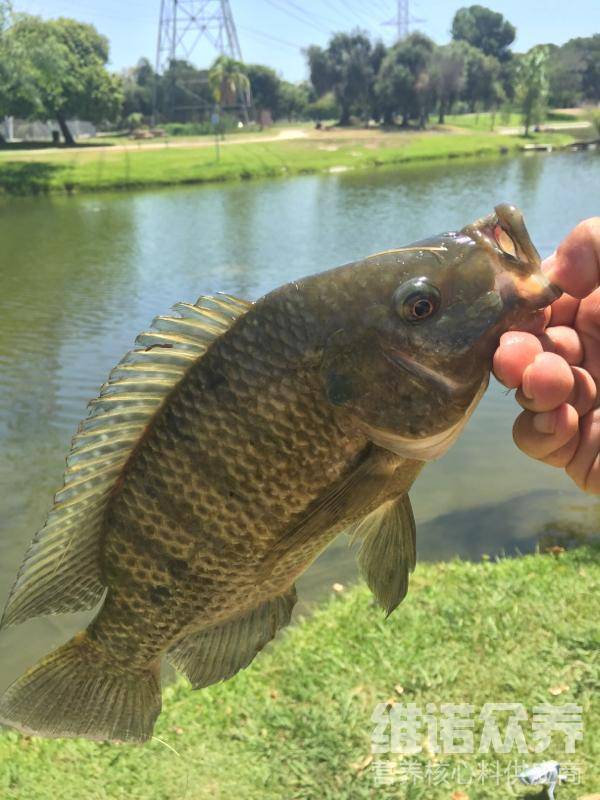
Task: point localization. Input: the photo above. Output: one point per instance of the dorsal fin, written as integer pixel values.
(61, 571)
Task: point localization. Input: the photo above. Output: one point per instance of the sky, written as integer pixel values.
(274, 32)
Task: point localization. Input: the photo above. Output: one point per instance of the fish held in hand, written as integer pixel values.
(233, 443)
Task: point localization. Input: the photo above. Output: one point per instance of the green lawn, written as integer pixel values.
(297, 723)
(30, 172)
(484, 120)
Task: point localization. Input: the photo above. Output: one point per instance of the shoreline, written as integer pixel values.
(86, 170)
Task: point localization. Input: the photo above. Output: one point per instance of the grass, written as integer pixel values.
(297, 723)
(483, 121)
(81, 170)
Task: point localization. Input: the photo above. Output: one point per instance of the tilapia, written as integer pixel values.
(233, 443)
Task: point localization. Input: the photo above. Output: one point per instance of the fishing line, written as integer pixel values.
(170, 747)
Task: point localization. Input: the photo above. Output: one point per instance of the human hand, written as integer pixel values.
(557, 374)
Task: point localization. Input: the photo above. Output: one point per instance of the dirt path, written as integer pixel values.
(286, 134)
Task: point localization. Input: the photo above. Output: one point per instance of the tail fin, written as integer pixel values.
(70, 694)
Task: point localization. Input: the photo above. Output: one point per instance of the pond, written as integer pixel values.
(80, 276)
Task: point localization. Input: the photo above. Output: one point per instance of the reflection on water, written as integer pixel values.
(80, 276)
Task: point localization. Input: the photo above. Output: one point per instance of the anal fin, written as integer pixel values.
(217, 653)
(388, 552)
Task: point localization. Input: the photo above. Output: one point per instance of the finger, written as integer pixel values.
(563, 341)
(564, 310)
(545, 387)
(547, 383)
(584, 394)
(540, 435)
(561, 457)
(584, 467)
(516, 351)
(575, 267)
(588, 326)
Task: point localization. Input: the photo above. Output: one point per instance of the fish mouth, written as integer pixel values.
(520, 281)
(524, 297)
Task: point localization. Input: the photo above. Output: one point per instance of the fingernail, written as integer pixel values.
(545, 422)
(525, 385)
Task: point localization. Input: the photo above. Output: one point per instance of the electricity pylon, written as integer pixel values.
(184, 27)
(402, 20)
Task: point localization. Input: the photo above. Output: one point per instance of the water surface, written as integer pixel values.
(80, 276)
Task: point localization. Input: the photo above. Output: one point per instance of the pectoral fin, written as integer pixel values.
(341, 501)
(388, 552)
(218, 653)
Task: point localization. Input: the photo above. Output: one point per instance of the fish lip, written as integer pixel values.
(517, 296)
(549, 295)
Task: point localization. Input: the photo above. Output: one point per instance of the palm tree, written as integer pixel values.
(229, 83)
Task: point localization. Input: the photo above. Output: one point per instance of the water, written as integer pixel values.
(80, 276)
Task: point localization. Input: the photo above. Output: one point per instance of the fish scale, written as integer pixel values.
(204, 428)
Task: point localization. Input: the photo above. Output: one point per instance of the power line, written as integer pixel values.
(347, 8)
(93, 11)
(269, 37)
(309, 14)
(296, 17)
(382, 8)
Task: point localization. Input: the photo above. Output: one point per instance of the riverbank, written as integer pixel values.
(297, 723)
(26, 172)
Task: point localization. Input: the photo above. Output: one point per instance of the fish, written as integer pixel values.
(233, 443)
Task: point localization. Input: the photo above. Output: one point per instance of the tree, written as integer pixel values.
(449, 74)
(293, 100)
(393, 88)
(532, 85)
(483, 83)
(404, 83)
(378, 53)
(590, 51)
(183, 92)
(321, 69)
(347, 68)
(565, 67)
(265, 85)
(139, 85)
(574, 71)
(59, 72)
(228, 82)
(484, 29)
(24, 72)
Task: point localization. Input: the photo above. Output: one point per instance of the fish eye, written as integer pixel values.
(416, 300)
(505, 241)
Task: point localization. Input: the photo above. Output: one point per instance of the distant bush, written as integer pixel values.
(326, 107)
(226, 125)
(594, 118)
(135, 120)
